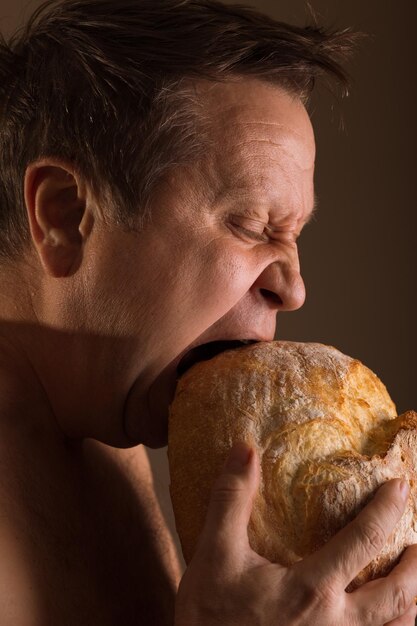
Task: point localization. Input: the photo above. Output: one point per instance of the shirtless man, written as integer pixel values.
(156, 170)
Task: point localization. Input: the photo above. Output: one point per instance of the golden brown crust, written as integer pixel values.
(326, 433)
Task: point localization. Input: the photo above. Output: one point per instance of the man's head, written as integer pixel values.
(107, 86)
(162, 157)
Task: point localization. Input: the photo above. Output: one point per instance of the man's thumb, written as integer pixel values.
(232, 498)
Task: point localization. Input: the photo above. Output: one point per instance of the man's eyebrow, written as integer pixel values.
(314, 210)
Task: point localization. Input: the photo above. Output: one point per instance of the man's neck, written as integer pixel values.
(92, 371)
(68, 375)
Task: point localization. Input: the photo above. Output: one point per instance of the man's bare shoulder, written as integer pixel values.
(42, 539)
(81, 520)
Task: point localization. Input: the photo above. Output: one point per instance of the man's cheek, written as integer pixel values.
(226, 285)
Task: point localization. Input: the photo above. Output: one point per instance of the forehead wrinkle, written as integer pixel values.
(287, 148)
(246, 129)
(236, 102)
(288, 130)
(255, 144)
(262, 173)
(285, 152)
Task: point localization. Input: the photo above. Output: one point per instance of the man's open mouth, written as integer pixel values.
(209, 350)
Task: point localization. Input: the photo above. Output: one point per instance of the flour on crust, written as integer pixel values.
(327, 435)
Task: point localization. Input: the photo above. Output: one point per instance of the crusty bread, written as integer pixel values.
(327, 435)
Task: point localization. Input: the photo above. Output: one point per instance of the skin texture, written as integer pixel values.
(142, 299)
(94, 320)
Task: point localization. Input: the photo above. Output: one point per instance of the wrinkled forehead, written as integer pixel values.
(248, 111)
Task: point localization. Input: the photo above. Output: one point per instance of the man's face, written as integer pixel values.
(219, 259)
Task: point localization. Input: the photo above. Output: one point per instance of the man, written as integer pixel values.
(157, 167)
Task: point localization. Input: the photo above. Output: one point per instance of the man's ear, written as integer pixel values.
(56, 202)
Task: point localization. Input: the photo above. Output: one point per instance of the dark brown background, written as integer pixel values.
(359, 256)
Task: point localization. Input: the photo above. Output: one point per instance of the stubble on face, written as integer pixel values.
(259, 168)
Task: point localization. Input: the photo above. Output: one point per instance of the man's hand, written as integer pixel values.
(227, 583)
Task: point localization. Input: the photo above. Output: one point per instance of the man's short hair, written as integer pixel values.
(107, 85)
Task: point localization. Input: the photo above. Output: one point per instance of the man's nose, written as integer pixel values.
(282, 286)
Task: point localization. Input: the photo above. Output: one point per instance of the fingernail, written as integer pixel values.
(404, 489)
(239, 456)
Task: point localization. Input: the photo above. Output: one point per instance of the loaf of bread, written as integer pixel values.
(327, 435)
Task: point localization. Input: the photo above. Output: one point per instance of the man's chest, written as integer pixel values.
(93, 544)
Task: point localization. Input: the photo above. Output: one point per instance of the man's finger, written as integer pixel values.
(389, 598)
(225, 531)
(354, 547)
(408, 619)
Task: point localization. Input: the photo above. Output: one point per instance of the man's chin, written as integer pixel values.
(147, 412)
(155, 431)
(160, 395)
